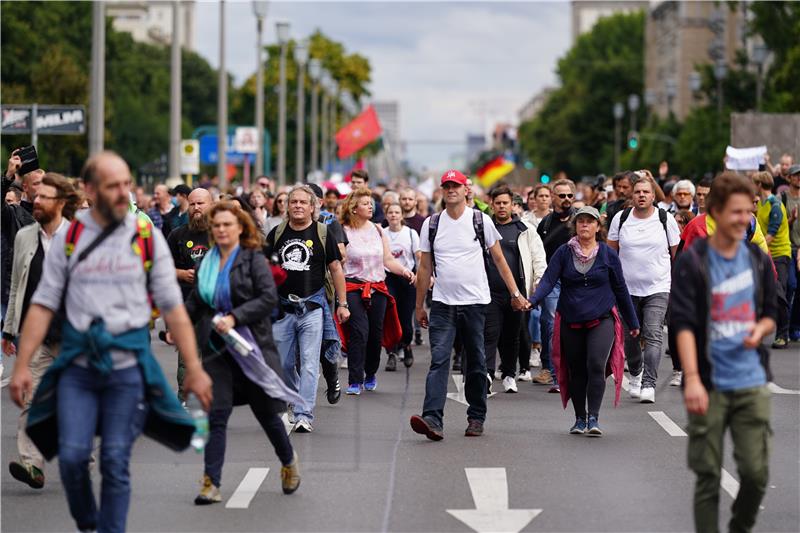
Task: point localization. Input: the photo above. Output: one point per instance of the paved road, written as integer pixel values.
(365, 470)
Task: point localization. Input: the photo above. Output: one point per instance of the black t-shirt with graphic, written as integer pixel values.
(300, 255)
(188, 248)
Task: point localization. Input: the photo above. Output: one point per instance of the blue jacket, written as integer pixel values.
(331, 344)
(167, 422)
(587, 297)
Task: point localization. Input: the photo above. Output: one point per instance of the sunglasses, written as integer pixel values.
(566, 195)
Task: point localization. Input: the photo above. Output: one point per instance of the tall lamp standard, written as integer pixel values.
(334, 102)
(222, 103)
(283, 39)
(260, 11)
(720, 71)
(324, 129)
(760, 52)
(301, 58)
(619, 112)
(314, 71)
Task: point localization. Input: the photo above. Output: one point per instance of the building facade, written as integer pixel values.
(151, 22)
(586, 13)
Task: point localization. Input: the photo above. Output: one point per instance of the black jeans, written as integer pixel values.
(366, 333)
(586, 351)
(501, 331)
(782, 266)
(406, 297)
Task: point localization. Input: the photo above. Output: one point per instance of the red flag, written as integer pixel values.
(364, 129)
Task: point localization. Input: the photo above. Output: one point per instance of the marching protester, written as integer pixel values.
(306, 250)
(646, 238)
(588, 333)
(163, 209)
(404, 246)
(540, 204)
(408, 203)
(188, 244)
(791, 200)
(235, 291)
(525, 257)
(179, 216)
(105, 375)
(683, 193)
(722, 305)
(279, 209)
(373, 322)
(53, 206)
(258, 202)
(452, 244)
(621, 183)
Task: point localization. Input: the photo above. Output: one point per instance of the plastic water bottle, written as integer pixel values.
(236, 341)
(200, 437)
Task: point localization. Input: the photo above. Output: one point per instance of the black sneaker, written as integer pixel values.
(334, 392)
(418, 337)
(474, 428)
(391, 362)
(28, 474)
(456, 364)
(408, 357)
(424, 427)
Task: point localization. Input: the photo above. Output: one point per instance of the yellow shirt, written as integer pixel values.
(780, 245)
(757, 238)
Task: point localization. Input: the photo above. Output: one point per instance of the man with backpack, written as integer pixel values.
(306, 251)
(454, 243)
(107, 270)
(646, 238)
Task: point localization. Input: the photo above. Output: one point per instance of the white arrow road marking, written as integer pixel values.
(459, 396)
(727, 481)
(776, 389)
(489, 488)
(247, 488)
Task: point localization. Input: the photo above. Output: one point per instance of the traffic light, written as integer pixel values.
(633, 140)
(528, 165)
(544, 178)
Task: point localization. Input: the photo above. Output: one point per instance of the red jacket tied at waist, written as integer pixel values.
(392, 331)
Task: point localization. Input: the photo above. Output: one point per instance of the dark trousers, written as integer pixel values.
(524, 343)
(366, 334)
(794, 313)
(445, 320)
(406, 297)
(501, 331)
(782, 266)
(586, 351)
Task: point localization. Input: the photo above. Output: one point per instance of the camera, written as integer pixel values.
(30, 160)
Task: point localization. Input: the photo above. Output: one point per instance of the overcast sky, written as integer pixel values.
(454, 67)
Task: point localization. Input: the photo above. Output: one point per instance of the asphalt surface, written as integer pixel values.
(363, 469)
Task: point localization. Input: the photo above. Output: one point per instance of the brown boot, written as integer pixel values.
(290, 476)
(543, 378)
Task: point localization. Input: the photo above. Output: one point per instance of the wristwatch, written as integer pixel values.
(344, 304)
(515, 295)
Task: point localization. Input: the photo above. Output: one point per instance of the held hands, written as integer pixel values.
(635, 333)
(422, 317)
(410, 276)
(520, 303)
(225, 324)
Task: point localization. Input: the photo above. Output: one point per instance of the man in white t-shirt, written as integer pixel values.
(646, 243)
(460, 296)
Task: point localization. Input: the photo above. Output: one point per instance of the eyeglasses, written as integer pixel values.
(566, 195)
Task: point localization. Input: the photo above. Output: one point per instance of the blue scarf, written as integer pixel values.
(214, 286)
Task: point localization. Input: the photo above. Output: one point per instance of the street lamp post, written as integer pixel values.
(720, 71)
(633, 107)
(314, 71)
(671, 87)
(760, 52)
(260, 11)
(175, 93)
(283, 39)
(619, 112)
(334, 102)
(98, 79)
(324, 129)
(301, 58)
(222, 102)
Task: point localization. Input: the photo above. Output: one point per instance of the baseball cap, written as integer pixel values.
(794, 169)
(317, 190)
(181, 189)
(588, 210)
(454, 176)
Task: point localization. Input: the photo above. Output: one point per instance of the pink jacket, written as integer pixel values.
(615, 365)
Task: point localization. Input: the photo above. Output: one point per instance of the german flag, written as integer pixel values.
(493, 171)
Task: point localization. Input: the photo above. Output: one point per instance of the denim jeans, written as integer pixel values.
(445, 320)
(794, 313)
(650, 310)
(534, 328)
(547, 320)
(301, 333)
(115, 403)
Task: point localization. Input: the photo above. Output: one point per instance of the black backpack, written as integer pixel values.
(477, 225)
(662, 217)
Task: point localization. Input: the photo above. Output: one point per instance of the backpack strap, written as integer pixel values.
(480, 236)
(279, 231)
(322, 233)
(784, 199)
(73, 234)
(624, 216)
(662, 216)
(433, 227)
(142, 244)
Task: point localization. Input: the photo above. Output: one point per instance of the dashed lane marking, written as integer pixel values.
(777, 389)
(247, 489)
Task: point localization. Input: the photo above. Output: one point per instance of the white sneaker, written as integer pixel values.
(525, 376)
(343, 363)
(677, 378)
(489, 387)
(536, 357)
(635, 386)
(509, 385)
(498, 374)
(648, 395)
(303, 426)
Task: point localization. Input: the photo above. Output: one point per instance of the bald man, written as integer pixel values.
(105, 378)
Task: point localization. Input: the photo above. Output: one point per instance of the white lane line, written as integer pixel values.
(728, 483)
(673, 429)
(247, 488)
(777, 389)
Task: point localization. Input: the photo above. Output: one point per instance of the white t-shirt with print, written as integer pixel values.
(460, 273)
(403, 244)
(643, 252)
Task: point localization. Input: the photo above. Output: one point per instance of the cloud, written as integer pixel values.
(454, 67)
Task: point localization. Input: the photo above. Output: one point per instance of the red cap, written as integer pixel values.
(454, 176)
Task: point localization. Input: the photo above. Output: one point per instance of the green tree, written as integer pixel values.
(778, 24)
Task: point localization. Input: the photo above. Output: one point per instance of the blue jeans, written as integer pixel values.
(115, 404)
(301, 333)
(445, 320)
(534, 328)
(547, 321)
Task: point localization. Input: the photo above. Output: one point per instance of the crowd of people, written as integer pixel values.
(578, 279)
